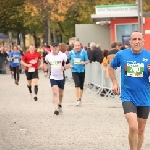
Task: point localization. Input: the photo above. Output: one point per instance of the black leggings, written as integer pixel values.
(79, 79)
(16, 72)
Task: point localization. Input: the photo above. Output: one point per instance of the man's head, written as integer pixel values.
(136, 41)
(55, 48)
(92, 46)
(114, 45)
(119, 45)
(15, 48)
(32, 48)
(77, 46)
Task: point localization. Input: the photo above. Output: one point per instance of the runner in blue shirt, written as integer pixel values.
(15, 56)
(10, 64)
(78, 59)
(135, 87)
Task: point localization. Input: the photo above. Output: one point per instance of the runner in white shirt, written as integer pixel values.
(55, 59)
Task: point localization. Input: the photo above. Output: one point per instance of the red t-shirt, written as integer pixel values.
(32, 58)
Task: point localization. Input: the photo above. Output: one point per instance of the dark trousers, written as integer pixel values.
(16, 73)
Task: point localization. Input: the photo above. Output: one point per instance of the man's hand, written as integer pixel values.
(62, 68)
(45, 74)
(70, 66)
(29, 65)
(116, 89)
(41, 66)
(82, 63)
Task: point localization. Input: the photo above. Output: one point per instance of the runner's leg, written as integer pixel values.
(29, 82)
(17, 71)
(14, 69)
(35, 84)
(81, 78)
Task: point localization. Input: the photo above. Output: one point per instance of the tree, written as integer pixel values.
(50, 10)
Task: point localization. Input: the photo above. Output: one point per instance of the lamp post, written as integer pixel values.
(141, 9)
(140, 15)
(139, 22)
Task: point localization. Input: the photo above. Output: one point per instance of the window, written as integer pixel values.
(123, 32)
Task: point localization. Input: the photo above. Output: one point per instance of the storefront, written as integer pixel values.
(122, 20)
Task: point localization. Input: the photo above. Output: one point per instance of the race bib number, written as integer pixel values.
(31, 69)
(77, 61)
(16, 60)
(135, 70)
(55, 63)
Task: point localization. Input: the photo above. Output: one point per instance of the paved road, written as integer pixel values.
(28, 125)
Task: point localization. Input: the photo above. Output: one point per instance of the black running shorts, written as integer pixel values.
(79, 79)
(141, 111)
(32, 75)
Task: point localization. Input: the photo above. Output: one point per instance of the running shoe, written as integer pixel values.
(35, 98)
(16, 82)
(78, 103)
(56, 112)
(60, 108)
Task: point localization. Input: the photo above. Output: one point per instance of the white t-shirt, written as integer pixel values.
(55, 62)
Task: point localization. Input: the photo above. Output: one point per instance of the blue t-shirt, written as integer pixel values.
(135, 86)
(16, 60)
(76, 58)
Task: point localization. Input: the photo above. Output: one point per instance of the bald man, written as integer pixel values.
(135, 91)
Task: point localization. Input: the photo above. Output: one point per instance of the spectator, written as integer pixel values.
(96, 53)
(104, 62)
(69, 48)
(85, 48)
(3, 53)
(40, 50)
(112, 52)
(98, 46)
(122, 48)
(119, 45)
(89, 51)
(63, 48)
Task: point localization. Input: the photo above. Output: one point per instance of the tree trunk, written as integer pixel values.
(60, 38)
(35, 39)
(45, 30)
(23, 40)
(54, 34)
(18, 40)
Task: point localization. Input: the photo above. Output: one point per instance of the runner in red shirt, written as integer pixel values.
(30, 61)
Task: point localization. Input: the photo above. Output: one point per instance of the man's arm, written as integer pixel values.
(112, 74)
(111, 69)
(86, 61)
(22, 62)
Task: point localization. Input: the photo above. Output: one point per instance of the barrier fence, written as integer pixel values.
(96, 79)
(3, 65)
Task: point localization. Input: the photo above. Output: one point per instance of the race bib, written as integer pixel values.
(16, 60)
(55, 63)
(77, 61)
(135, 70)
(31, 69)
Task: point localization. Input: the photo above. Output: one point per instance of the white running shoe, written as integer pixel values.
(60, 108)
(78, 103)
